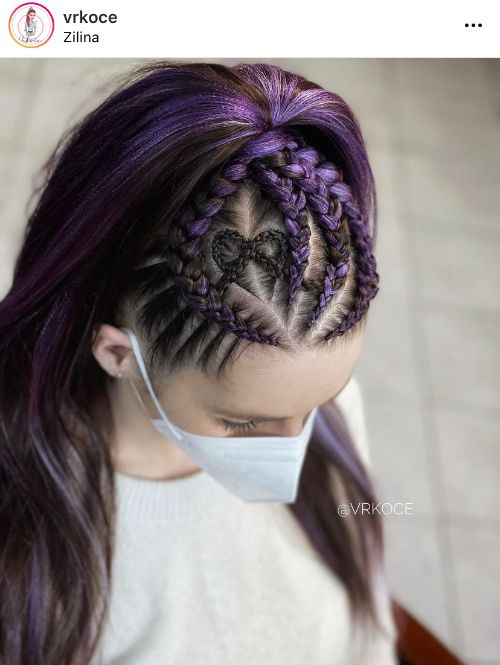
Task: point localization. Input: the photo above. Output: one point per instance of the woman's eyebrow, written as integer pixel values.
(226, 414)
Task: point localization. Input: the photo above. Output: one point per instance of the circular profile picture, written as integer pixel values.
(31, 25)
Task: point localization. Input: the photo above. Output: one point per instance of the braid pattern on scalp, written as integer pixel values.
(233, 263)
(296, 177)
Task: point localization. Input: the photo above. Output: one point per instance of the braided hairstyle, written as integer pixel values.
(207, 207)
(302, 196)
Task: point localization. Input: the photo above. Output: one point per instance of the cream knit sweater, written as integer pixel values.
(202, 577)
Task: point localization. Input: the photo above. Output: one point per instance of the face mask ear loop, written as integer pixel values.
(144, 372)
(144, 407)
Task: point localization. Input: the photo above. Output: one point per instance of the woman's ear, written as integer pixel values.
(111, 348)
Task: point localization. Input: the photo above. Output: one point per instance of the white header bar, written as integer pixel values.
(254, 29)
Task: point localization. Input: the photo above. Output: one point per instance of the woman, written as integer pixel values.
(180, 423)
(30, 24)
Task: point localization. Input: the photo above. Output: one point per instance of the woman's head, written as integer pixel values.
(227, 216)
(269, 254)
(271, 251)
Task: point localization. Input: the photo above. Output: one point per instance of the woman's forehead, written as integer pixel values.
(266, 381)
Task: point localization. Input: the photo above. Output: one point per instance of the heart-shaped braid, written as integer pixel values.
(296, 177)
(187, 259)
(188, 263)
(233, 263)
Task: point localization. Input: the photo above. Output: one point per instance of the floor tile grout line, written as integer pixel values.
(424, 383)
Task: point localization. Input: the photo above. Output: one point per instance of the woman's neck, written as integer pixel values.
(136, 447)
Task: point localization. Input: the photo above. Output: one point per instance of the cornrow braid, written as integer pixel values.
(311, 176)
(366, 277)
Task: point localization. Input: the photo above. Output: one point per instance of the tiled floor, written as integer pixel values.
(430, 368)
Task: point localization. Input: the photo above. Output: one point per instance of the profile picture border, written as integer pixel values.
(31, 4)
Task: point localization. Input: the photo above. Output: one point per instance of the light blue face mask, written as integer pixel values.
(260, 468)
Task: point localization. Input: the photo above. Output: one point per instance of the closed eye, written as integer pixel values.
(240, 427)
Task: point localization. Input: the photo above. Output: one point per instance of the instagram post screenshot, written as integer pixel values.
(249, 333)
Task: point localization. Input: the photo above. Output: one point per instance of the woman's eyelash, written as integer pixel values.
(240, 427)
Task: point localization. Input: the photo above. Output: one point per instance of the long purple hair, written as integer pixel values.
(206, 207)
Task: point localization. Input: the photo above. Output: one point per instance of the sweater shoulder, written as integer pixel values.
(350, 402)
